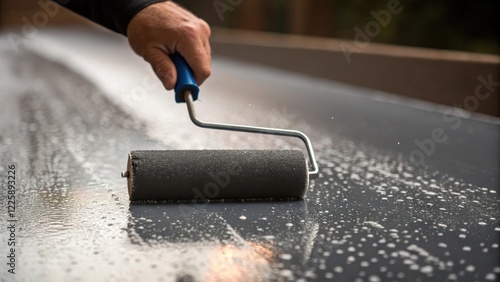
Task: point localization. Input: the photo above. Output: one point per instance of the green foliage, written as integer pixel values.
(446, 24)
(454, 24)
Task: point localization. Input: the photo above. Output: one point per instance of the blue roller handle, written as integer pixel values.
(185, 79)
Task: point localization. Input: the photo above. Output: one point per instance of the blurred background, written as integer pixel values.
(448, 24)
(437, 51)
(463, 25)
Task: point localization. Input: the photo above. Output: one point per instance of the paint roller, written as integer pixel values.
(201, 175)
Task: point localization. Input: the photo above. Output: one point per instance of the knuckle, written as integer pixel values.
(196, 28)
(161, 71)
(190, 29)
(149, 54)
(205, 27)
(206, 72)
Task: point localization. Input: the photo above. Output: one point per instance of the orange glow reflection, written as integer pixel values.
(248, 262)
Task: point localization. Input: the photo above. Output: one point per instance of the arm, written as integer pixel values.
(155, 30)
(113, 14)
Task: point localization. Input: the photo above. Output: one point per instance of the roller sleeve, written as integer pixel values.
(217, 174)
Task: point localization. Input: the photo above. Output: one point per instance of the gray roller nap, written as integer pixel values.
(217, 174)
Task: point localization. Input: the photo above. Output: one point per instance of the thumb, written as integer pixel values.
(162, 66)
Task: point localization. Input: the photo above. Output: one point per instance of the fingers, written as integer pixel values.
(162, 29)
(195, 48)
(162, 66)
(198, 60)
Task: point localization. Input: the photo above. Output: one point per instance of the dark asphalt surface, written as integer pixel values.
(373, 215)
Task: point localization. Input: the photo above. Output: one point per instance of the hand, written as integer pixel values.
(164, 28)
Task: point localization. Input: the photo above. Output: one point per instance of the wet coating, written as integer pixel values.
(372, 215)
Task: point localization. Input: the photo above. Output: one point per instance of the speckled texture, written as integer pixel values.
(202, 175)
(370, 216)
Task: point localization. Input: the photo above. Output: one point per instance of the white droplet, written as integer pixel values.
(394, 188)
(426, 269)
(286, 256)
(243, 217)
(374, 224)
(490, 276)
(286, 273)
